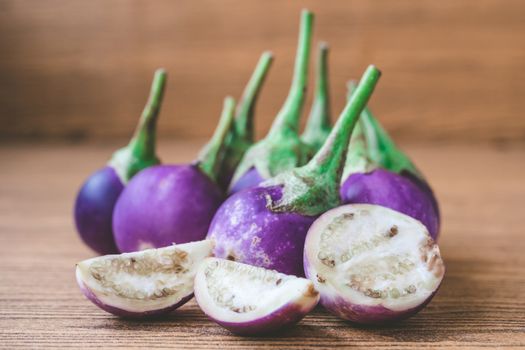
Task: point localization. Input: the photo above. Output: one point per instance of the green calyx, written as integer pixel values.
(211, 156)
(282, 149)
(140, 152)
(371, 148)
(314, 188)
(318, 126)
(241, 135)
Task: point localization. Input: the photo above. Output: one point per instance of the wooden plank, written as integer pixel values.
(72, 69)
(480, 304)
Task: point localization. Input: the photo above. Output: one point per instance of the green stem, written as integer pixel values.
(318, 125)
(246, 106)
(282, 149)
(212, 155)
(330, 159)
(364, 144)
(140, 152)
(373, 143)
(242, 133)
(142, 145)
(314, 188)
(287, 119)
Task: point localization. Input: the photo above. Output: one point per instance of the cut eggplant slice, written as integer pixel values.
(251, 300)
(145, 283)
(372, 264)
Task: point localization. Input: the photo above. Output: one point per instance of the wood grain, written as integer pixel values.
(453, 70)
(480, 304)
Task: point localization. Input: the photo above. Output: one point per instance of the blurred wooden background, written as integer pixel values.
(453, 70)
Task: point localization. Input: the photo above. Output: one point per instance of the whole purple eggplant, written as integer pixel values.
(282, 149)
(378, 172)
(168, 204)
(175, 203)
(97, 197)
(266, 225)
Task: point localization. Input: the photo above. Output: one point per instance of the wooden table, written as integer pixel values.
(481, 302)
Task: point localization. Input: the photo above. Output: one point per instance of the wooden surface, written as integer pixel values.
(481, 302)
(76, 69)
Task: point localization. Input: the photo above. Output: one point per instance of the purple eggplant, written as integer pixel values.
(282, 149)
(250, 300)
(168, 204)
(266, 226)
(97, 197)
(372, 264)
(143, 284)
(378, 172)
(245, 230)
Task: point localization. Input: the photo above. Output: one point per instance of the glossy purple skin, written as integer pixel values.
(368, 314)
(94, 210)
(245, 230)
(394, 191)
(126, 313)
(281, 319)
(165, 204)
(250, 179)
(423, 185)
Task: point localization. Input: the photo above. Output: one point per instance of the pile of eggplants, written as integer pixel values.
(335, 205)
